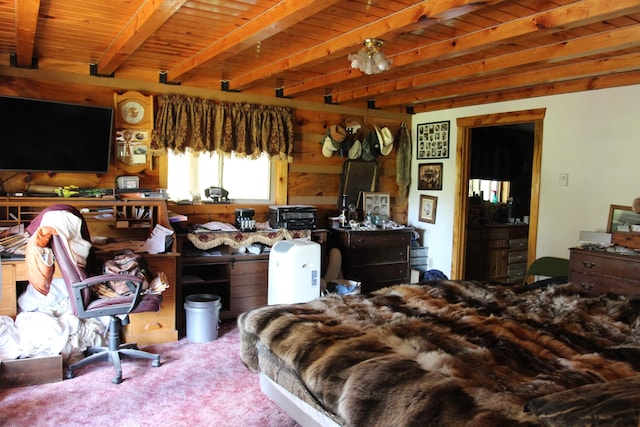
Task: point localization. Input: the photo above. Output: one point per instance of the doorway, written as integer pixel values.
(463, 169)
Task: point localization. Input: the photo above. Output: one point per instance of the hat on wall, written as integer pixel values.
(354, 127)
(386, 140)
(337, 134)
(327, 146)
(370, 146)
(356, 150)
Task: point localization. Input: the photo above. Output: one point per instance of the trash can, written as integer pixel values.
(203, 311)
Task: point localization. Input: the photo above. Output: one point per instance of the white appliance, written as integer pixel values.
(294, 271)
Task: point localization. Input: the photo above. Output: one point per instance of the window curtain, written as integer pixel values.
(202, 125)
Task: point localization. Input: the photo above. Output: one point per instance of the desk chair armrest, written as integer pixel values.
(107, 306)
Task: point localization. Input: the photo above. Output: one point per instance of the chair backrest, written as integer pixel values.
(71, 273)
(548, 267)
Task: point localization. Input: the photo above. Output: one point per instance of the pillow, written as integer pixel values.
(604, 404)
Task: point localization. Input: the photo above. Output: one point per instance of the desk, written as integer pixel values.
(144, 328)
(12, 271)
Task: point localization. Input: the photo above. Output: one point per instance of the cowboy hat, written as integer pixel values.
(356, 150)
(370, 146)
(386, 140)
(327, 146)
(337, 134)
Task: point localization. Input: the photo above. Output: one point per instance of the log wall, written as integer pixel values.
(311, 179)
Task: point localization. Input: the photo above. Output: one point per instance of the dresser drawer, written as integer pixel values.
(376, 239)
(598, 285)
(379, 255)
(371, 274)
(600, 265)
(518, 257)
(519, 244)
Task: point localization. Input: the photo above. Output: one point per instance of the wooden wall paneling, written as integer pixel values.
(312, 178)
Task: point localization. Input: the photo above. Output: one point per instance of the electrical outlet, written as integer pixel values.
(563, 180)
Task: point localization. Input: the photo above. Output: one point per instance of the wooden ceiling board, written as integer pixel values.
(444, 52)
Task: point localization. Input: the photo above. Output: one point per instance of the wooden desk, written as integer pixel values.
(119, 220)
(143, 328)
(12, 271)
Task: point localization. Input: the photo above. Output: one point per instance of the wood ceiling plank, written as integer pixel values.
(561, 72)
(279, 17)
(26, 26)
(146, 21)
(544, 22)
(598, 43)
(569, 86)
(392, 23)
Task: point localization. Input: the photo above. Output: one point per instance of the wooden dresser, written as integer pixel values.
(375, 258)
(599, 272)
(497, 252)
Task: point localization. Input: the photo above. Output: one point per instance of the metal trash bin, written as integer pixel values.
(203, 312)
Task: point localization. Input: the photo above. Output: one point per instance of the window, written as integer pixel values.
(486, 189)
(246, 179)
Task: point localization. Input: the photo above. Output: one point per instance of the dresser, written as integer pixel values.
(375, 258)
(598, 272)
(497, 252)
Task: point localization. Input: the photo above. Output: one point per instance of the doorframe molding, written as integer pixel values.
(463, 168)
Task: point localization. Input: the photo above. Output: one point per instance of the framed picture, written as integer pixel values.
(622, 218)
(430, 176)
(433, 140)
(428, 205)
(377, 204)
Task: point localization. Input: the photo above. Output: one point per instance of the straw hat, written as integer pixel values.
(386, 140)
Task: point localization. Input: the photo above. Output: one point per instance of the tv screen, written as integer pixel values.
(47, 136)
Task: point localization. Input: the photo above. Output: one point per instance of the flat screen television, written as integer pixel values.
(48, 136)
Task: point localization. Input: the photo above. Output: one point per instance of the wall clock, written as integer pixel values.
(133, 110)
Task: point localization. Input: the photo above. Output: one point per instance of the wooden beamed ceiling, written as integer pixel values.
(445, 53)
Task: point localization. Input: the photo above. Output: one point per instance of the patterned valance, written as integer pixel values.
(203, 125)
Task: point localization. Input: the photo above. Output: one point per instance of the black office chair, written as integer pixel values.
(84, 302)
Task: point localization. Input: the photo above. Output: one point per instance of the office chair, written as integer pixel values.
(65, 229)
(555, 269)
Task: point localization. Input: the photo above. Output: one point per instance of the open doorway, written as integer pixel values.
(463, 168)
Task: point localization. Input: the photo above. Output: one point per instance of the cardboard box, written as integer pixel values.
(31, 371)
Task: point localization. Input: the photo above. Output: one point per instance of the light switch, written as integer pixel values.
(563, 181)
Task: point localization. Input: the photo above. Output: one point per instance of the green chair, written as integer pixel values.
(551, 267)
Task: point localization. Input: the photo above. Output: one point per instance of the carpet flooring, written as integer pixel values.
(197, 384)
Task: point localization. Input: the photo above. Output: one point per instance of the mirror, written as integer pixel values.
(357, 176)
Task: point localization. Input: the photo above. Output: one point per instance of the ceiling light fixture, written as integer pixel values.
(370, 59)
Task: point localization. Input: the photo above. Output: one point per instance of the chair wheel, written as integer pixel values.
(156, 363)
(117, 379)
(68, 374)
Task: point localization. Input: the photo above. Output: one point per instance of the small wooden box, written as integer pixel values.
(32, 371)
(628, 239)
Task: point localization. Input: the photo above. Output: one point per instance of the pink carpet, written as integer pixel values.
(198, 384)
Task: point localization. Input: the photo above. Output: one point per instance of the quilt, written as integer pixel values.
(458, 353)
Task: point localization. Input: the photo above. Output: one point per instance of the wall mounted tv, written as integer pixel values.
(46, 136)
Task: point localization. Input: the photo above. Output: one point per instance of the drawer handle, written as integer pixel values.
(586, 286)
(589, 265)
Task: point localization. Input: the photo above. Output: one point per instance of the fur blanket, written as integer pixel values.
(451, 353)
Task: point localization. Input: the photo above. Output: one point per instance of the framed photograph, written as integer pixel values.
(377, 204)
(430, 176)
(622, 218)
(433, 140)
(428, 205)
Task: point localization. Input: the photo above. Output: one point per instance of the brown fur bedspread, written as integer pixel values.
(447, 353)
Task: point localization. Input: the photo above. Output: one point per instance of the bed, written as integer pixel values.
(450, 353)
